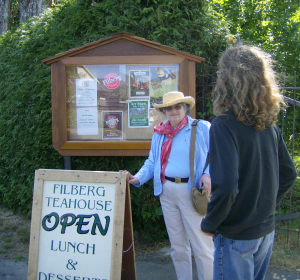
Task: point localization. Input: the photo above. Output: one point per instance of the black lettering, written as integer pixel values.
(78, 248)
(99, 225)
(81, 189)
(73, 246)
(99, 202)
(74, 187)
(48, 219)
(60, 249)
(65, 190)
(107, 203)
(81, 223)
(91, 189)
(83, 202)
(64, 221)
(87, 248)
(52, 246)
(89, 205)
(55, 186)
(72, 201)
(44, 276)
(103, 191)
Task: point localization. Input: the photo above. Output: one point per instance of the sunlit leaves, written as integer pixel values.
(25, 84)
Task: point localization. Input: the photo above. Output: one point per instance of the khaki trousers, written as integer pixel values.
(183, 226)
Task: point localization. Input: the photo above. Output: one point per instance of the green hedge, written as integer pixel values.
(25, 86)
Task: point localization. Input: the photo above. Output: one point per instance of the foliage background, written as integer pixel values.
(200, 27)
(25, 86)
(274, 25)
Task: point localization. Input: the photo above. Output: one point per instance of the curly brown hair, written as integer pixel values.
(247, 85)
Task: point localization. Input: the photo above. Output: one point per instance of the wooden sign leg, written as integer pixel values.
(128, 258)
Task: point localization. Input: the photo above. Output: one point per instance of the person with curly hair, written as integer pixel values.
(251, 169)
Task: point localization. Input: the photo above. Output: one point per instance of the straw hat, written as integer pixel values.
(174, 97)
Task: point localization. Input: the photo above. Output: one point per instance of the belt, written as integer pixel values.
(177, 180)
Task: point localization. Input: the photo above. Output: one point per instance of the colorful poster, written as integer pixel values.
(112, 85)
(86, 92)
(112, 125)
(163, 78)
(87, 121)
(138, 113)
(139, 83)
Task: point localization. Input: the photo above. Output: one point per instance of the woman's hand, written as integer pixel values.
(205, 180)
(132, 179)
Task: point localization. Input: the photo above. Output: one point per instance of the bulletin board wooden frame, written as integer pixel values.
(124, 49)
(122, 247)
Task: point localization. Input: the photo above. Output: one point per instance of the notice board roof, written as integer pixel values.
(129, 38)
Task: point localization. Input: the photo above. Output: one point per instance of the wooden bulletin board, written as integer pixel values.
(81, 225)
(103, 94)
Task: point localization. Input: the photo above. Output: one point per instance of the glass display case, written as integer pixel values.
(115, 102)
(103, 94)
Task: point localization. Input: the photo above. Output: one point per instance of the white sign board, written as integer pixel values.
(77, 225)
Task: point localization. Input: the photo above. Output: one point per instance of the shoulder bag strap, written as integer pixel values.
(192, 151)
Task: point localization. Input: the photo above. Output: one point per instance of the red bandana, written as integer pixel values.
(170, 132)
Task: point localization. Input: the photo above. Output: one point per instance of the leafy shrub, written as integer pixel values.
(25, 86)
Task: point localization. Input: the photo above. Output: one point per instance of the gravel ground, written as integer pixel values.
(152, 260)
(146, 269)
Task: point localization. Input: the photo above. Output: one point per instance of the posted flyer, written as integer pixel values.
(87, 121)
(163, 78)
(138, 113)
(86, 92)
(112, 125)
(139, 83)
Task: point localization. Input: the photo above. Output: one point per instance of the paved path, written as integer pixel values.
(147, 269)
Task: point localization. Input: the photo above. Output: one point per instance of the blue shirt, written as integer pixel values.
(152, 166)
(179, 160)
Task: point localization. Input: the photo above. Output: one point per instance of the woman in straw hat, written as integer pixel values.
(168, 163)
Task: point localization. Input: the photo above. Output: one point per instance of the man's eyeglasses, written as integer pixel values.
(176, 107)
